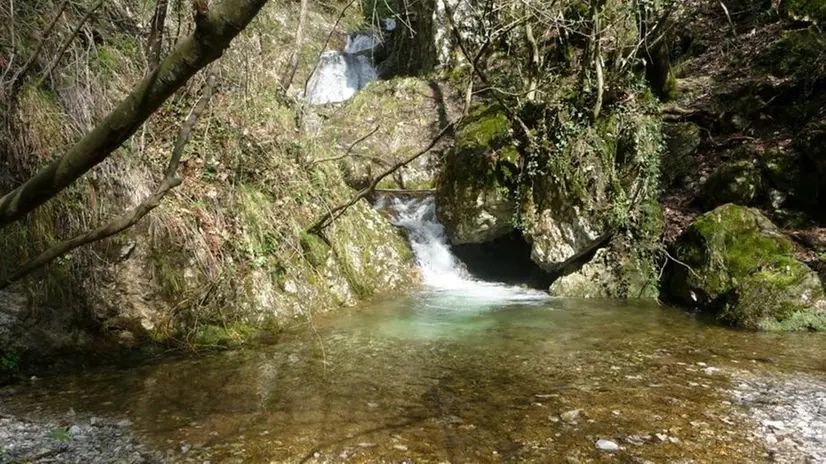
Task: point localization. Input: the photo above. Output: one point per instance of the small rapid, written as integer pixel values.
(442, 273)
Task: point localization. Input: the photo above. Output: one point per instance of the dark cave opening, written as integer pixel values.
(506, 259)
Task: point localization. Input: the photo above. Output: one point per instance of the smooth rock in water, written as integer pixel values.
(75, 430)
(571, 416)
(400, 447)
(607, 445)
(124, 423)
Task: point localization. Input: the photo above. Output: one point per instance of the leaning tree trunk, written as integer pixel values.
(213, 33)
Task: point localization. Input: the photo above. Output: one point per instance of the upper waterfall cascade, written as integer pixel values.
(340, 74)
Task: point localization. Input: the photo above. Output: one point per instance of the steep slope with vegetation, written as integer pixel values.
(743, 130)
(225, 253)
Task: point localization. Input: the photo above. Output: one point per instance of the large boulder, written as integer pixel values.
(609, 274)
(474, 195)
(739, 182)
(734, 263)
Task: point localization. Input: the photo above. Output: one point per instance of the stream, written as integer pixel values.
(468, 371)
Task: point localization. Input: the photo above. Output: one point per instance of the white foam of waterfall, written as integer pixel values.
(441, 270)
(360, 42)
(339, 75)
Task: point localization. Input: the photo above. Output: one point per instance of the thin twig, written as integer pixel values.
(327, 43)
(19, 75)
(347, 153)
(681, 263)
(333, 214)
(67, 42)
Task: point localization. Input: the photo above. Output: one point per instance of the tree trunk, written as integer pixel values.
(213, 33)
(287, 80)
(596, 36)
(153, 49)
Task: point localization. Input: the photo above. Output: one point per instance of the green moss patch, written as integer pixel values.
(739, 182)
(743, 270)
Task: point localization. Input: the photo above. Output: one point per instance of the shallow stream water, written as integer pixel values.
(436, 377)
(465, 372)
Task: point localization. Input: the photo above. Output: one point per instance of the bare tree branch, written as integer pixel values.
(214, 31)
(68, 42)
(153, 49)
(349, 149)
(130, 218)
(18, 77)
(287, 80)
(333, 214)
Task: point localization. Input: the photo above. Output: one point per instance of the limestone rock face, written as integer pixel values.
(483, 215)
(609, 274)
(558, 236)
(474, 198)
(745, 272)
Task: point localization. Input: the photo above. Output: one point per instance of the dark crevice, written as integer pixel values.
(506, 259)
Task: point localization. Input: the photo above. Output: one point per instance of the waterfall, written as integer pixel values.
(339, 75)
(441, 270)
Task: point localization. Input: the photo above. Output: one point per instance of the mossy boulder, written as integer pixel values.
(811, 10)
(681, 141)
(739, 182)
(474, 194)
(734, 263)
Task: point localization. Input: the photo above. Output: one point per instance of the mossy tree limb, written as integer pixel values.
(213, 33)
(130, 218)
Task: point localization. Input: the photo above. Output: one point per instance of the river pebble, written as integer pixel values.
(788, 410)
(607, 445)
(92, 441)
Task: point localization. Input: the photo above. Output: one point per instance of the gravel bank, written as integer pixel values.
(74, 440)
(789, 411)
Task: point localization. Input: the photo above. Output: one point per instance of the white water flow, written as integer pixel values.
(339, 75)
(441, 271)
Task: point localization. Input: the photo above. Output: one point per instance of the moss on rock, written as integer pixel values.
(745, 272)
(475, 195)
(738, 182)
(797, 51)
